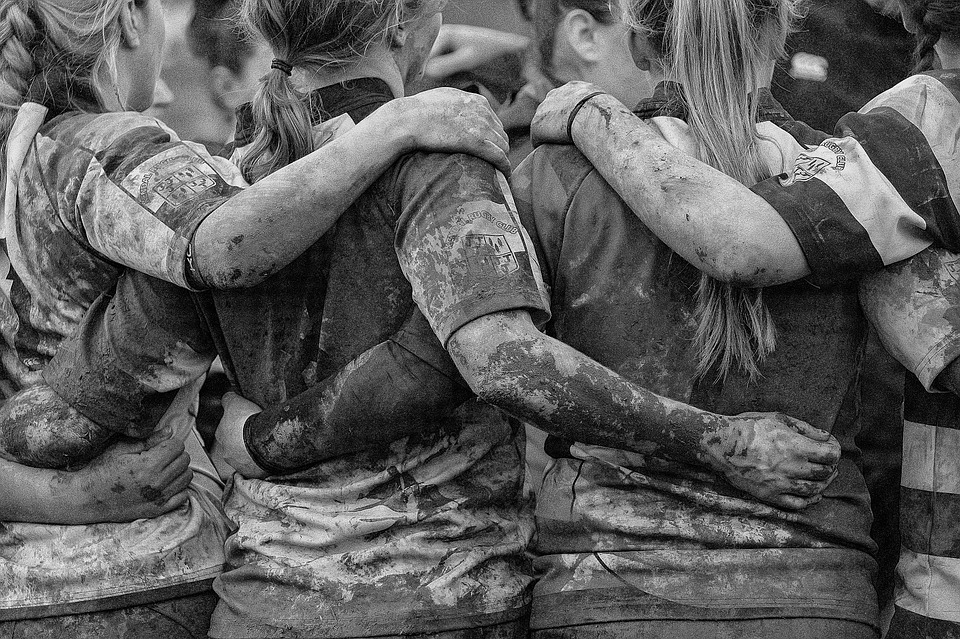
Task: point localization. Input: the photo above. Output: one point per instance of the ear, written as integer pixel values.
(225, 88)
(398, 36)
(644, 54)
(130, 24)
(580, 29)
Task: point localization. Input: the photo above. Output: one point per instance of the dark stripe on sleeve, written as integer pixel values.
(910, 625)
(934, 409)
(132, 149)
(928, 522)
(802, 132)
(901, 152)
(836, 245)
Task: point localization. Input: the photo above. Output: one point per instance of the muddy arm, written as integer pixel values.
(510, 364)
(37, 428)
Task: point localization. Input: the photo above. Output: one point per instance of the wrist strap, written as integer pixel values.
(576, 110)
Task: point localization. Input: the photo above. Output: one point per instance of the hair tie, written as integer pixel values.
(282, 65)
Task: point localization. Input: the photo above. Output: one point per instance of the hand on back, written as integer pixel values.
(448, 120)
(778, 459)
(131, 480)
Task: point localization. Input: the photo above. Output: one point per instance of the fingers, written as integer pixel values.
(806, 429)
(176, 467)
(165, 453)
(173, 479)
(813, 472)
(179, 484)
(174, 502)
(158, 436)
(826, 453)
(496, 156)
(793, 502)
(801, 488)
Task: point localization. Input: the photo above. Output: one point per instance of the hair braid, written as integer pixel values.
(928, 35)
(17, 34)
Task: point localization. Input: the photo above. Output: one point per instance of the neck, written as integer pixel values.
(948, 50)
(376, 65)
(110, 90)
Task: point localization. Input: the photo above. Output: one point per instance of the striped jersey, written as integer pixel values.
(913, 305)
(884, 189)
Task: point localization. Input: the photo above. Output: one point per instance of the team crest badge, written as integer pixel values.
(952, 267)
(489, 255)
(184, 185)
(807, 167)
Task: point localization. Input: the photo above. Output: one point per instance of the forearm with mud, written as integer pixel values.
(558, 389)
(713, 221)
(387, 393)
(37, 428)
(38, 495)
(266, 226)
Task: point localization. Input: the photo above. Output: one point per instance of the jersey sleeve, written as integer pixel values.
(460, 243)
(915, 307)
(133, 351)
(885, 188)
(144, 194)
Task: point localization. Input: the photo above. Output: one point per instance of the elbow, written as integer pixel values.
(38, 429)
(738, 265)
(230, 270)
(494, 356)
(741, 263)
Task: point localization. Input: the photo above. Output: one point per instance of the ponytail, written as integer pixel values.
(310, 35)
(284, 128)
(716, 50)
(717, 55)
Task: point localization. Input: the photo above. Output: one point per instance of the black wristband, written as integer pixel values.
(576, 110)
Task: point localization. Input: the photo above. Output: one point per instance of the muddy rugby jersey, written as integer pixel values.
(427, 533)
(913, 304)
(884, 189)
(624, 536)
(97, 192)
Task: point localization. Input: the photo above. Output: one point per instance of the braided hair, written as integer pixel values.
(52, 52)
(17, 68)
(934, 18)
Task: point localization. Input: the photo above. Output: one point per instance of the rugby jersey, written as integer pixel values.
(96, 192)
(914, 306)
(885, 188)
(425, 534)
(630, 537)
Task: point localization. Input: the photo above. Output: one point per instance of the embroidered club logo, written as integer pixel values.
(952, 267)
(807, 167)
(489, 255)
(184, 185)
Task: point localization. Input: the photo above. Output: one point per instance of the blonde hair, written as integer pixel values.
(54, 52)
(308, 34)
(934, 19)
(715, 50)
